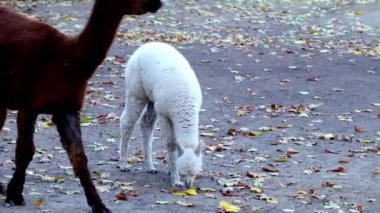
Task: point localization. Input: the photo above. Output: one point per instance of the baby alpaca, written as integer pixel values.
(161, 84)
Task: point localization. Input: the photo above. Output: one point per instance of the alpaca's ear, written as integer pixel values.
(198, 151)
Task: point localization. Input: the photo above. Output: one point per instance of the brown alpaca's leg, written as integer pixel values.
(3, 115)
(24, 154)
(69, 130)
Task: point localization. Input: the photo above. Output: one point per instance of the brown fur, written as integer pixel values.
(45, 71)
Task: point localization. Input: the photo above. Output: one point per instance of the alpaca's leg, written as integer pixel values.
(3, 116)
(168, 136)
(68, 127)
(147, 126)
(24, 154)
(131, 113)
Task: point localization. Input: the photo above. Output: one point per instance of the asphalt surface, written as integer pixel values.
(290, 119)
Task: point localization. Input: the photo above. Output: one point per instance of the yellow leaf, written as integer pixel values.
(181, 194)
(191, 192)
(38, 202)
(255, 133)
(271, 200)
(359, 12)
(228, 207)
(185, 204)
(357, 52)
(302, 192)
(186, 193)
(256, 190)
(281, 159)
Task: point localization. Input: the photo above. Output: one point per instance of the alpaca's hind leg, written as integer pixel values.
(131, 113)
(168, 137)
(24, 153)
(147, 125)
(68, 126)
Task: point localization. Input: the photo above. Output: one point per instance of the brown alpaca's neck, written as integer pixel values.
(97, 36)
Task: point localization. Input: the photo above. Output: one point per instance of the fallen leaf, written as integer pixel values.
(181, 203)
(358, 129)
(329, 151)
(207, 189)
(228, 207)
(186, 193)
(229, 192)
(328, 184)
(162, 202)
(191, 192)
(281, 159)
(314, 78)
(256, 190)
(243, 110)
(181, 194)
(255, 133)
(338, 169)
(359, 12)
(38, 202)
(269, 169)
(121, 196)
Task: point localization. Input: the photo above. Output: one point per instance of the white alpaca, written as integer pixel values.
(160, 83)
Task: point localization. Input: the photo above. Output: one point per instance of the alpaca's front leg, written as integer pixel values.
(168, 137)
(147, 126)
(3, 116)
(69, 130)
(24, 154)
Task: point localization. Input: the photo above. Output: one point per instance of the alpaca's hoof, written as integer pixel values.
(178, 184)
(100, 209)
(125, 168)
(14, 201)
(152, 171)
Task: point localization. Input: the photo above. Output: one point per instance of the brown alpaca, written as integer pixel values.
(45, 71)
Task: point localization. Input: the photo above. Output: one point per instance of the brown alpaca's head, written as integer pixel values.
(138, 7)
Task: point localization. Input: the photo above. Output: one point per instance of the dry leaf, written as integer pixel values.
(228, 207)
(256, 190)
(330, 151)
(38, 202)
(339, 169)
(358, 129)
(243, 110)
(269, 169)
(185, 204)
(314, 78)
(121, 196)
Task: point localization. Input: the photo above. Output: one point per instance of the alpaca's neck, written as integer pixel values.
(186, 131)
(97, 36)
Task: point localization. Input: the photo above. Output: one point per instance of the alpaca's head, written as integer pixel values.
(189, 164)
(138, 7)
